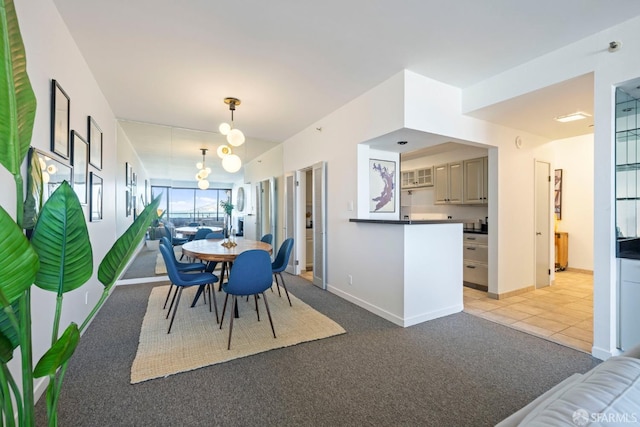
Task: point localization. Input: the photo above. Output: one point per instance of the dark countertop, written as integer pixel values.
(473, 231)
(409, 222)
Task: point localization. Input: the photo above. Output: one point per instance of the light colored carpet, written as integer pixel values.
(196, 341)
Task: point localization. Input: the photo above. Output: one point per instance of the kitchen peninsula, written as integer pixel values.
(421, 263)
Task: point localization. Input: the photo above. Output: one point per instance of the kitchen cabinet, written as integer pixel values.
(422, 177)
(475, 252)
(448, 183)
(629, 301)
(475, 181)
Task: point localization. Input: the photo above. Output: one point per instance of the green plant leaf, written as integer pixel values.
(62, 243)
(18, 261)
(9, 339)
(125, 247)
(18, 106)
(33, 201)
(59, 353)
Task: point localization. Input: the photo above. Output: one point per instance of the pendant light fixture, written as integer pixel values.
(235, 136)
(203, 172)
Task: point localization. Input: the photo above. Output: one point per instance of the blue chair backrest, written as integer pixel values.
(194, 224)
(219, 235)
(267, 238)
(251, 273)
(172, 270)
(282, 259)
(165, 241)
(202, 233)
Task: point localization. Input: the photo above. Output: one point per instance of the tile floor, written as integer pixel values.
(562, 313)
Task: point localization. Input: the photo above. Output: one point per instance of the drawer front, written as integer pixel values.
(475, 252)
(475, 273)
(481, 239)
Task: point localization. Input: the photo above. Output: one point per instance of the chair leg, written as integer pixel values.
(255, 297)
(224, 308)
(215, 303)
(172, 301)
(175, 309)
(269, 314)
(233, 304)
(168, 295)
(275, 276)
(285, 288)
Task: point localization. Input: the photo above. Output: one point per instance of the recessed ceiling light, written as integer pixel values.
(579, 115)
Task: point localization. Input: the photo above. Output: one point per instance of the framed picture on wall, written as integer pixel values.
(128, 203)
(557, 187)
(382, 182)
(95, 198)
(60, 111)
(95, 143)
(80, 161)
(127, 174)
(53, 173)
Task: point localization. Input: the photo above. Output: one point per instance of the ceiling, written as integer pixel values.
(291, 63)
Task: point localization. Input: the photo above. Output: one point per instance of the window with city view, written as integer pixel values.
(185, 205)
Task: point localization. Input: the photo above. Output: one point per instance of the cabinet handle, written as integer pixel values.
(471, 249)
(471, 266)
(471, 238)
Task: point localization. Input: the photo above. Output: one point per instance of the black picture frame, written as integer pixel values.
(54, 172)
(80, 163)
(128, 203)
(94, 135)
(96, 189)
(127, 174)
(60, 120)
(557, 188)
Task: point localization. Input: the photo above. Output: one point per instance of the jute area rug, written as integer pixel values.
(196, 341)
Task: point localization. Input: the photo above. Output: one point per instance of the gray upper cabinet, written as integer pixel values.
(475, 181)
(422, 177)
(448, 183)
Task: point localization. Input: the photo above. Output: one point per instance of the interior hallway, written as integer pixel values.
(562, 313)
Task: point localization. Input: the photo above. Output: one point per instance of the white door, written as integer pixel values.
(542, 223)
(291, 196)
(319, 177)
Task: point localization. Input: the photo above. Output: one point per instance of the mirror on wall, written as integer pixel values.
(266, 209)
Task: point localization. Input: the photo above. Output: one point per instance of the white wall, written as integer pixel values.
(52, 54)
(126, 154)
(575, 157)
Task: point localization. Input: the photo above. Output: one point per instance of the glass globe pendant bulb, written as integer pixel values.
(198, 177)
(235, 137)
(224, 128)
(208, 170)
(52, 169)
(203, 173)
(203, 184)
(231, 163)
(199, 165)
(45, 177)
(223, 150)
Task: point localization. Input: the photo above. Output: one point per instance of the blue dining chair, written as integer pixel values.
(280, 264)
(214, 235)
(267, 238)
(193, 224)
(202, 233)
(250, 275)
(183, 267)
(181, 281)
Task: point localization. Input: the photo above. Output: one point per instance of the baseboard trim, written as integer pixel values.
(579, 270)
(603, 353)
(367, 306)
(140, 280)
(511, 293)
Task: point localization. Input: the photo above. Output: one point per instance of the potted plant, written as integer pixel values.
(228, 209)
(57, 257)
(155, 232)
